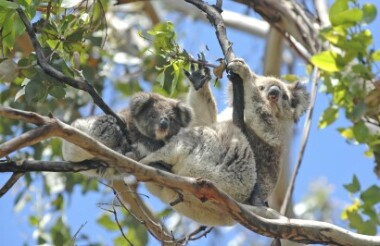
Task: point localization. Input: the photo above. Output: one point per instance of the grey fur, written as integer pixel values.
(246, 169)
(151, 120)
(219, 153)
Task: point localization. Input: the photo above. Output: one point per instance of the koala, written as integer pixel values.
(271, 109)
(220, 153)
(247, 166)
(151, 120)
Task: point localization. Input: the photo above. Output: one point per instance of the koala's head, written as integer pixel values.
(158, 117)
(288, 101)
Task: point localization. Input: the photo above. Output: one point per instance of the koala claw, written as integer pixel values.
(239, 67)
(198, 77)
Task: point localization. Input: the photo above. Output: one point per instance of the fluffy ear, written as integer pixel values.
(184, 114)
(139, 101)
(300, 99)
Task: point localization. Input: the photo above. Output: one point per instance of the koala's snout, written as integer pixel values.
(274, 92)
(164, 124)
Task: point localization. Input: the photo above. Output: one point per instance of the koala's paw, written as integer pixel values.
(106, 130)
(198, 77)
(239, 67)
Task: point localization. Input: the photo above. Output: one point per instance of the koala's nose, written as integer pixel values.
(274, 92)
(164, 123)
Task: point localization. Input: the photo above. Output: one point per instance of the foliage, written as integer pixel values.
(350, 74)
(72, 34)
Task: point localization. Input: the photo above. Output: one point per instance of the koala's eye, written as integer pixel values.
(261, 87)
(285, 97)
(153, 116)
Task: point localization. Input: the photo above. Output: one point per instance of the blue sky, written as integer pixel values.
(327, 154)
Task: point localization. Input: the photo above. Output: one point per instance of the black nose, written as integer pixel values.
(164, 124)
(274, 92)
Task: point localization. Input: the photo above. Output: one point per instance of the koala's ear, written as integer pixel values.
(184, 114)
(139, 101)
(300, 99)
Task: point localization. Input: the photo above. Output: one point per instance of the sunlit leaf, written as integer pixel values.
(326, 60)
(8, 5)
(328, 117)
(376, 55)
(350, 16)
(369, 12)
(346, 133)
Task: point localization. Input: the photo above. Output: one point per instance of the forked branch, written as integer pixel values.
(303, 231)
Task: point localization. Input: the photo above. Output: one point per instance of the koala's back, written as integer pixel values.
(219, 153)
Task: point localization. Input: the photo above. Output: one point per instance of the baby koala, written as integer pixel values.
(151, 120)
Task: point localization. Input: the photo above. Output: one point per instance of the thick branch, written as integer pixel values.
(296, 230)
(81, 85)
(215, 18)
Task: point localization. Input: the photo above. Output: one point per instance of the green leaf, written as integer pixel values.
(35, 91)
(161, 78)
(368, 228)
(8, 32)
(347, 17)
(371, 196)
(57, 91)
(361, 132)
(337, 7)
(8, 4)
(375, 56)
(359, 110)
(326, 60)
(355, 219)
(328, 117)
(369, 12)
(107, 223)
(354, 186)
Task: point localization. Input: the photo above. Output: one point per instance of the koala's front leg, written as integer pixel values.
(105, 129)
(164, 158)
(200, 97)
(257, 114)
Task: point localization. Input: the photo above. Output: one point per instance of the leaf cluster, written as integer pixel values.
(350, 74)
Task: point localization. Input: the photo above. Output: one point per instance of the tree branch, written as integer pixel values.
(81, 85)
(11, 181)
(215, 18)
(303, 231)
(126, 194)
(305, 136)
(48, 166)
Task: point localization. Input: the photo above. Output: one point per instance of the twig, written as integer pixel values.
(76, 234)
(215, 18)
(193, 235)
(48, 166)
(81, 85)
(11, 181)
(126, 194)
(118, 223)
(305, 136)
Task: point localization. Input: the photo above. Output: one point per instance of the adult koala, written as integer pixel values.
(246, 168)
